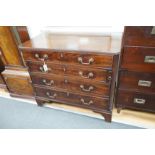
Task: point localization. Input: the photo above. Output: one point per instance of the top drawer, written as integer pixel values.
(83, 59)
(139, 36)
(138, 59)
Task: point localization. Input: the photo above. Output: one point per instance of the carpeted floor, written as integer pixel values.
(21, 115)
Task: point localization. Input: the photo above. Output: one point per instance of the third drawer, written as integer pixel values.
(82, 73)
(141, 82)
(67, 83)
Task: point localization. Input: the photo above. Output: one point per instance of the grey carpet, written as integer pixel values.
(22, 115)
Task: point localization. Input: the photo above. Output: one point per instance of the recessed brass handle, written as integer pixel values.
(144, 83)
(48, 83)
(86, 90)
(90, 61)
(153, 30)
(90, 75)
(139, 101)
(149, 59)
(51, 96)
(86, 103)
(45, 57)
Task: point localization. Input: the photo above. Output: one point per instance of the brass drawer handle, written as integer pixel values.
(109, 78)
(144, 83)
(149, 59)
(86, 90)
(45, 57)
(86, 103)
(66, 81)
(42, 69)
(139, 101)
(48, 83)
(80, 60)
(90, 75)
(51, 96)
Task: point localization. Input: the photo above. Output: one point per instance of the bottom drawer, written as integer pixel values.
(136, 100)
(71, 98)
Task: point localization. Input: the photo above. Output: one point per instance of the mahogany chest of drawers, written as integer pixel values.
(78, 70)
(136, 82)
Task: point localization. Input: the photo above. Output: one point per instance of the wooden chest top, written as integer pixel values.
(69, 42)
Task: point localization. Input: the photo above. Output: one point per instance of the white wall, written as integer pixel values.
(35, 30)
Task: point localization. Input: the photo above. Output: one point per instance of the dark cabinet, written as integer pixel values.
(136, 82)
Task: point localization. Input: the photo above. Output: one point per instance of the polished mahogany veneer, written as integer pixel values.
(139, 36)
(136, 100)
(68, 83)
(87, 73)
(73, 98)
(140, 82)
(140, 59)
(78, 70)
(71, 58)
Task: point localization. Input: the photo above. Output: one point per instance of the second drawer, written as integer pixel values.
(142, 82)
(83, 73)
(140, 59)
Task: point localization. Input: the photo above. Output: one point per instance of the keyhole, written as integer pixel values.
(64, 68)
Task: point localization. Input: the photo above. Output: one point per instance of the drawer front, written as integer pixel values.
(143, 82)
(139, 36)
(92, 102)
(93, 60)
(83, 73)
(139, 59)
(136, 100)
(66, 83)
(52, 68)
